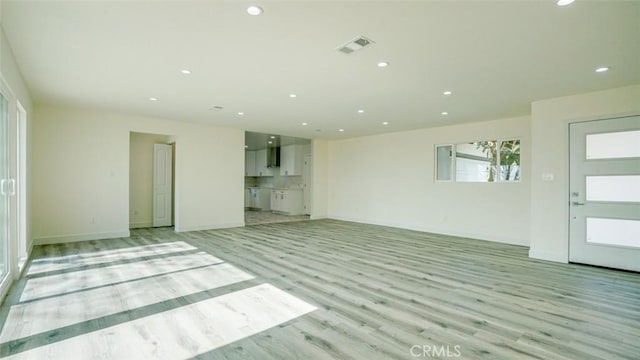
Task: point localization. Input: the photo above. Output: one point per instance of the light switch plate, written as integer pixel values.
(548, 177)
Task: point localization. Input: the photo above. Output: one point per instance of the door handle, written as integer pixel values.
(3, 188)
(12, 187)
(575, 203)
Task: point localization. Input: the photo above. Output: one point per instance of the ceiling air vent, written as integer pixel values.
(355, 45)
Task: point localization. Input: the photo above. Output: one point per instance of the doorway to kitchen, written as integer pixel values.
(276, 185)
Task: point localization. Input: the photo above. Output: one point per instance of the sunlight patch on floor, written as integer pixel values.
(74, 308)
(71, 281)
(202, 327)
(57, 263)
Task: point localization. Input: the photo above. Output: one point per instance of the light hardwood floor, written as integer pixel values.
(315, 290)
(255, 217)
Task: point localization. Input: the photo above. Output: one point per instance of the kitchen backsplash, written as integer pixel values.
(281, 182)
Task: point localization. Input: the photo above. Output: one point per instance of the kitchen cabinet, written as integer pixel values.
(287, 201)
(247, 198)
(291, 160)
(250, 163)
(261, 163)
(258, 199)
(265, 199)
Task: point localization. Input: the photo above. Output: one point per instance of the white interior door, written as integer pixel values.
(604, 193)
(162, 167)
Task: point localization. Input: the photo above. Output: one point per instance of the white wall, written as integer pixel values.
(81, 173)
(389, 180)
(11, 73)
(550, 154)
(141, 178)
(319, 179)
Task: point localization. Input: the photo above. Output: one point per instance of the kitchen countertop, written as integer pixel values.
(274, 188)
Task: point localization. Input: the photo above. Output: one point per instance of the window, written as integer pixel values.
(479, 161)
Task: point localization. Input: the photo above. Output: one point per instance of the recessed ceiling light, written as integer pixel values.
(216, 108)
(272, 137)
(602, 69)
(447, 92)
(445, 113)
(240, 113)
(254, 10)
(383, 64)
(185, 71)
(270, 142)
(304, 124)
(153, 99)
(341, 130)
(385, 123)
(564, 2)
(293, 95)
(246, 146)
(360, 111)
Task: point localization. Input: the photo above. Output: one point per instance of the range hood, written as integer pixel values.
(273, 157)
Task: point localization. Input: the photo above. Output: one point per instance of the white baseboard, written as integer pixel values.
(139, 225)
(318, 217)
(548, 256)
(79, 237)
(448, 232)
(208, 227)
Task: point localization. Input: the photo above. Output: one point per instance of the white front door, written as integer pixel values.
(162, 168)
(604, 193)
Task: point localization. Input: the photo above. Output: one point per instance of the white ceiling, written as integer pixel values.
(496, 56)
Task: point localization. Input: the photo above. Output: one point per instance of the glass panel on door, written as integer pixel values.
(619, 232)
(614, 145)
(624, 188)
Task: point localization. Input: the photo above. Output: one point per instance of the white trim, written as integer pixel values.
(209, 227)
(548, 256)
(318, 217)
(139, 225)
(61, 239)
(467, 235)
